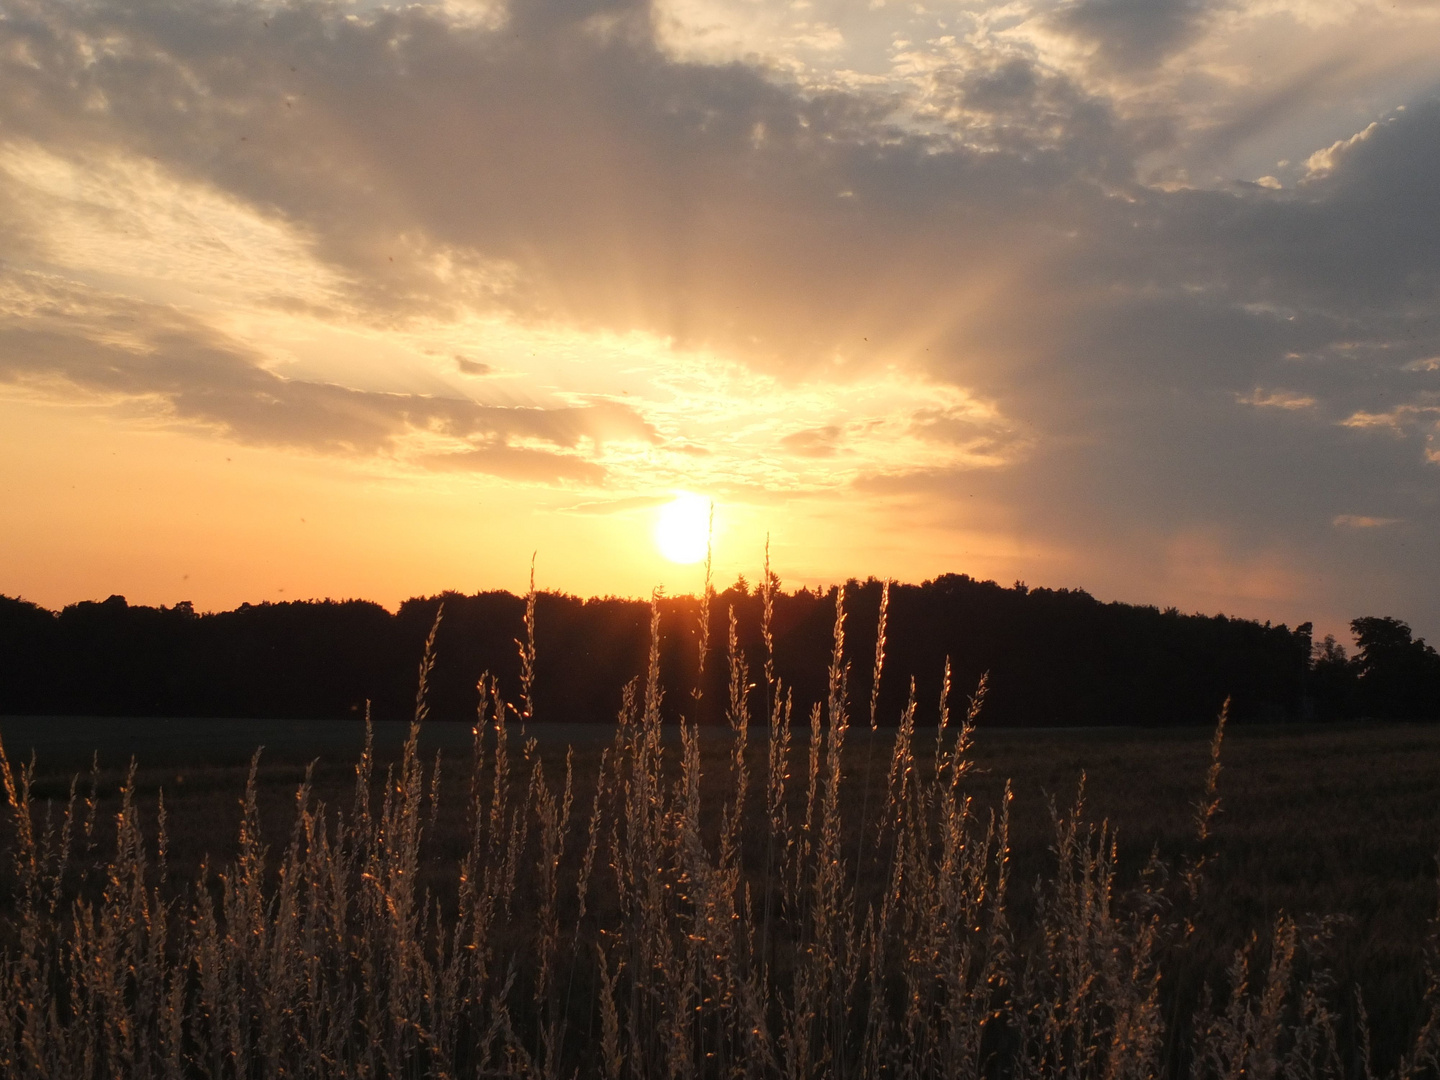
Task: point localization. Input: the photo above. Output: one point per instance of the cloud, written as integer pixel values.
(567, 170)
(1134, 33)
(472, 367)
(1276, 399)
(1399, 420)
(813, 442)
(600, 183)
(519, 463)
(618, 506)
(1362, 521)
(1323, 161)
(58, 337)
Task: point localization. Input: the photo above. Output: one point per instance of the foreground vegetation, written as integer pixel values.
(806, 908)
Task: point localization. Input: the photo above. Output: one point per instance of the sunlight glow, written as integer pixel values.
(682, 532)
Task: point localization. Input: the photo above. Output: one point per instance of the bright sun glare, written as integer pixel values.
(682, 532)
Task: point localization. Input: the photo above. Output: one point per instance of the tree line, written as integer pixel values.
(1054, 657)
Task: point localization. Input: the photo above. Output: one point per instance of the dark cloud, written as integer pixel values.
(563, 166)
(467, 366)
(1134, 34)
(1050, 132)
(978, 438)
(555, 167)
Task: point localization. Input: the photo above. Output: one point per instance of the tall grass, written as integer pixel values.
(777, 919)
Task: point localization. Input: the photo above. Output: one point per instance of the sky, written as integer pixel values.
(356, 299)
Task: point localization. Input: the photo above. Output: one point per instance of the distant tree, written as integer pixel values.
(27, 656)
(1054, 656)
(1330, 651)
(1398, 675)
(1333, 686)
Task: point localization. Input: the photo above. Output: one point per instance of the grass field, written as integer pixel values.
(645, 901)
(1314, 819)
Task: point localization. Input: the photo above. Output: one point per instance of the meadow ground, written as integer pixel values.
(1335, 826)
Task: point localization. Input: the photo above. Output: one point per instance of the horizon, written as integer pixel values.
(377, 300)
(1340, 630)
(661, 595)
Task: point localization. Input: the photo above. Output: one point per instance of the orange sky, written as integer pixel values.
(344, 300)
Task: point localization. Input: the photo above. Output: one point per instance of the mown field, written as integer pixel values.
(1335, 828)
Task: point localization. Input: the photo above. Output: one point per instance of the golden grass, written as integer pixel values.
(650, 920)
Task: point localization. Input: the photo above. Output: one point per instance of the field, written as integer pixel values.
(1315, 821)
(812, 899)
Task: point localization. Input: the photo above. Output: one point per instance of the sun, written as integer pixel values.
(682, 532)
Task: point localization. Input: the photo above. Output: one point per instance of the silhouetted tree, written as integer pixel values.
(1333, 685)
(1054, 656)
(1398, 675)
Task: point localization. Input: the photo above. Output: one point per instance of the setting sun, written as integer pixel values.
(682, 532)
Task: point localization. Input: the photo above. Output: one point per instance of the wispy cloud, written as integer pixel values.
(520, 463)
(1276, 399)
(1363, 521)
(813, 442)
(60, 339)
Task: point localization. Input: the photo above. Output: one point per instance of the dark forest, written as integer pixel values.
(1055, 657)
